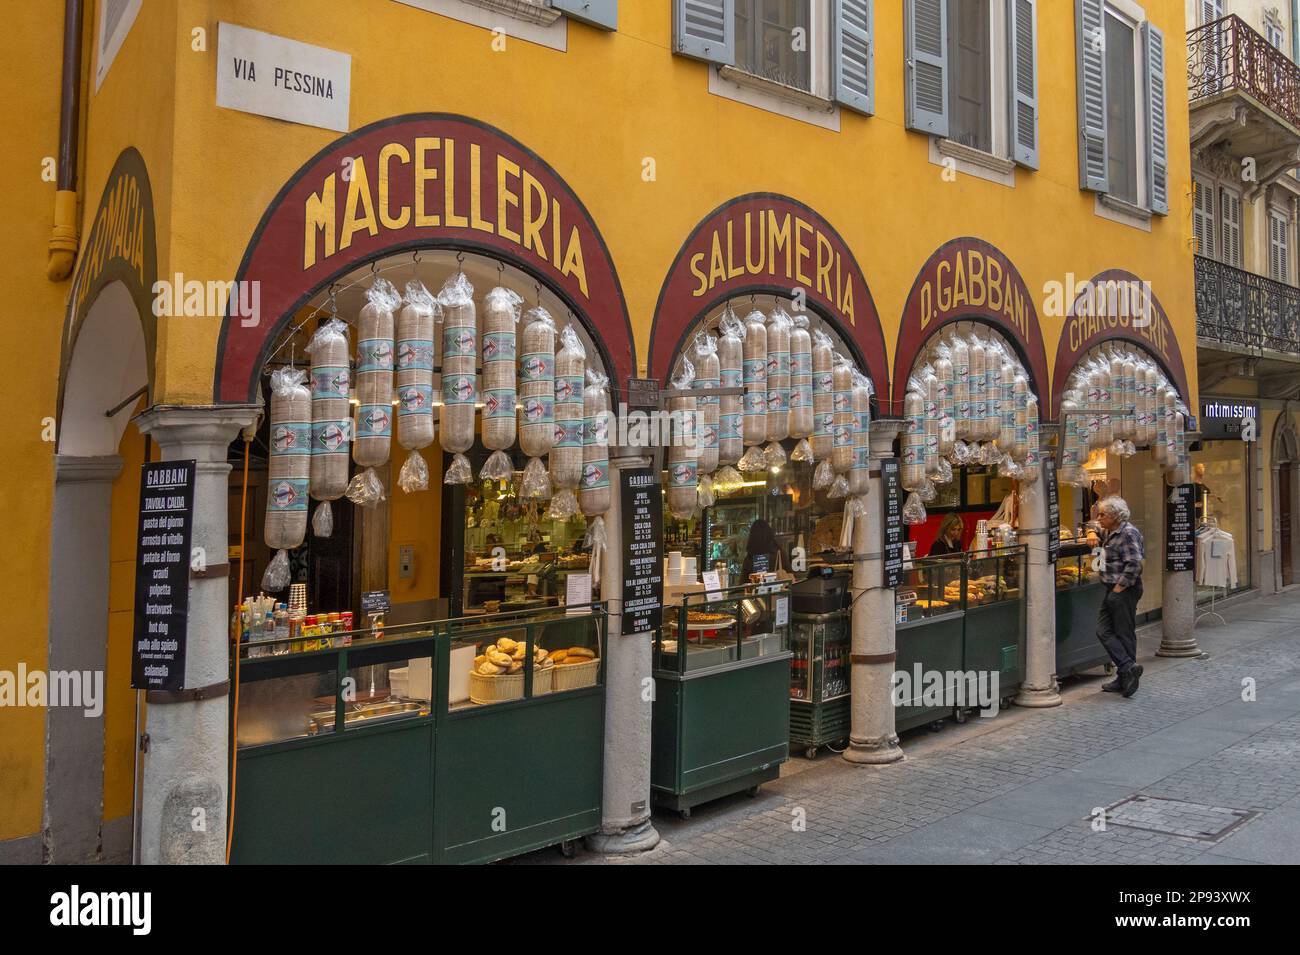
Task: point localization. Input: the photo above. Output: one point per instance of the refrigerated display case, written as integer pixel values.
(1079, 593)
(929, 617)
(994, 627)
(819, 680)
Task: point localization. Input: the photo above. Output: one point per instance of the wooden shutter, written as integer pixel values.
(705, 30)
(925, 31)
(1211, 10)
(599, 13)
(1230, 234)
(1022, 60)
(1153, 43)
(1278, 247)
(1203, 224)
(853, 55)
(1090, 59)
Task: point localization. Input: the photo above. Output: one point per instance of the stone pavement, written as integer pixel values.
(1194, 774)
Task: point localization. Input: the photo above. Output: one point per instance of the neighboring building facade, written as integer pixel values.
(1245, 127)
(917, 135)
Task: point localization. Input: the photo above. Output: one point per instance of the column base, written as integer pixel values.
(1041, 697)
(875, 752)
(1179, 648)
(641, 837)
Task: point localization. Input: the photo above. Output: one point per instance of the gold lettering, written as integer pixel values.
(976, 280)
(752, 267)
(800, 227)
(506, 198)
(777, 238)
(533, 225)
(734, 271)
(424, 171)
(573, 264)
(945, 290)
(476, 190)
(386, 216)
(555, 232)
(319, 214)
(824, 270)
(449, 187)
(717, 266)
(927, 303)
(700, 289)
(358, 195)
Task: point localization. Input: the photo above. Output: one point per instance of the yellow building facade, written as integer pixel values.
(639, 150)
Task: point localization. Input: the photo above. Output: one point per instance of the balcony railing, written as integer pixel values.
(1241, 308)
(1228, 56)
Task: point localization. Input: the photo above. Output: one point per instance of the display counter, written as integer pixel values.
(451, 749)
(819, 680)
(994, 626)
(1079, 593)
(722, 684)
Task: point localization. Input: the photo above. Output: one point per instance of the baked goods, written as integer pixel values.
(559, 656)
(506, 645)
(583, 652)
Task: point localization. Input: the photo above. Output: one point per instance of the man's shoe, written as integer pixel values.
(1114, 686)
(1129, 680)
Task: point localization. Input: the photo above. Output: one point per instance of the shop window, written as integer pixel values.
(1230, 228)
(1204, 224)
(773, 40)
(1123, 150)
(964, 58)
(1279, 247)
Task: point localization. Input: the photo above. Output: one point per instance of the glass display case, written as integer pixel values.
(929, 587)
(994, 627)
(819, 680)
(1079, 592)
(929, 609)
(720, 720)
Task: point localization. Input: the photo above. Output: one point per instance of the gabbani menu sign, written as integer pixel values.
(891, 504)
(643, 565)
(162, 575)
(1180, 529)
(1053, 509)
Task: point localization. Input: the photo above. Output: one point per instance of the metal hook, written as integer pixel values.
(334, 300)
(374, 267)
(501, 270)
(460, 258)
(537, 293)
(415, 258)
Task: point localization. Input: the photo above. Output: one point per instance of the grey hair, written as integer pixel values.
(1116, 506)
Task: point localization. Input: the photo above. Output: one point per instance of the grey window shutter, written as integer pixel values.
(1090, 57)
(1153, 41)
(925, 31)
(854, 55)
(1203, 218)
(1022, 35)
(705, 29)
(599, 13)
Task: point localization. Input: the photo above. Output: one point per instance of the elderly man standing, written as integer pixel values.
(1117, 621)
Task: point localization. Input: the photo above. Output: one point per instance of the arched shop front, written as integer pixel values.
(969, 372)
(1120, 395)
(765, 300)
(434, 299)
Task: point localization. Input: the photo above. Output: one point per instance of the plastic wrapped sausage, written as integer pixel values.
(930, 388)
(566, 455)
(860, 472)
(842, 447)
(331, 419)
(536, 398)
(978, 392)
(731, 443)
(779, 327)
(801, 379)
(1071, 444)
(1030, 467)
(594, 493)
(413, 377)
(959, 351)
(946, 375)
(823, 355)
(1020, 412)
(374, 423)
(288, 471)
(683, 459)
(755, 375)
(459, 378)
(708, 374)
(1164, 414)
(500, 320)
(1177, 473)
(912, 473)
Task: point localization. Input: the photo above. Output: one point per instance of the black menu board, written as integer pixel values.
(891, 504)
(643, 562)
(1053, 509)
(162, 575)
(1180, 529)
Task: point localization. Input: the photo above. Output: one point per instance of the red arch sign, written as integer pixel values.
(425, 180)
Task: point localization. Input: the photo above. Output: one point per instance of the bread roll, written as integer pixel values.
(289, 468)
(414, 368)
(778, 375)
(594, 495)
(823, 396)
(755, 373)
(566, 455)
(731, 443)
(537, 383)
(912, 472)
(500, 316)
(331, 412)
(842, 447)
(708, 374)
(459, 355)
(374, 422)
(860, 472)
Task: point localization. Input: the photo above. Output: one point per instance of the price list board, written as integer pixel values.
(643, 562)
(1180, 529)
(1053, 509)
(891, 504)
(162, 575)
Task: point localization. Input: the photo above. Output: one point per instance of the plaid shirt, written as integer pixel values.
(1124, 552)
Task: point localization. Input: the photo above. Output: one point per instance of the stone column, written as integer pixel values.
(183, 802)
(872, 738)
(1039, 587)
(1178, 615)
(78, 648)
(625, 823)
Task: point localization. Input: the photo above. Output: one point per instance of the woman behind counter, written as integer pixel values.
(949, 539)
(762, 555)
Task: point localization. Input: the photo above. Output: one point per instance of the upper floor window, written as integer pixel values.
(1123, 149)
(971, 74)
(1279, 246)
(773, 40)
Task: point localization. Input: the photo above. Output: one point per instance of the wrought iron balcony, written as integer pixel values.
(1227, 56)
(1240, 308)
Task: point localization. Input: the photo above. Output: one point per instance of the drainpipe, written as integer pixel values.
(1295, 40)
(64, 239)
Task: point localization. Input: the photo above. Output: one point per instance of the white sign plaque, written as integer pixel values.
(274, 76)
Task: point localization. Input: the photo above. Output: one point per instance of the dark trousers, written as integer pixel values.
(1117, 625)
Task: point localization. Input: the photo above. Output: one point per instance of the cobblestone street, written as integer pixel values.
(1204, 777)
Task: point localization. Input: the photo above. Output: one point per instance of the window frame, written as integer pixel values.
(1225, 193)
(1132, 17)
(1280, 252)
(1210, 188)
(818, 47)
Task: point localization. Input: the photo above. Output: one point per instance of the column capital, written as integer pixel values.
(883, 433)
(201, 432)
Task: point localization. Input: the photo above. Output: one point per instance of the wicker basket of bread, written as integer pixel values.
(574, 668)
(498, 672)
